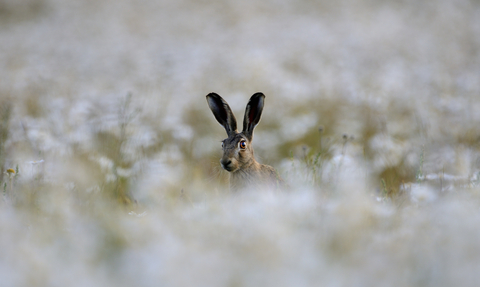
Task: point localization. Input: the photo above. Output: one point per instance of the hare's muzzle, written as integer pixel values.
(227, 164)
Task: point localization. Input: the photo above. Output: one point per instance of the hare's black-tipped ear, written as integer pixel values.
(253, 112)
(222, 112)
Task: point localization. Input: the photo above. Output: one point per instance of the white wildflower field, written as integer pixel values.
(110, 155)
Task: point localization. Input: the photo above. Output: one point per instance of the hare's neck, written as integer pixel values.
(249, 166)
(245, 176)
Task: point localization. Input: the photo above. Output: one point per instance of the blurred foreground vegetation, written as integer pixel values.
(109, 155)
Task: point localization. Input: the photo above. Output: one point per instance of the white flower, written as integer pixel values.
(422, 194)
(10, 172)
(124, 172)
(137, 215)
(34, 162)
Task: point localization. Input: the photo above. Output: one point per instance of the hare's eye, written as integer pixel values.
(222, 144)
(243, 144)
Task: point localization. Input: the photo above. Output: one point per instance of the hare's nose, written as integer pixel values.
(225, 162)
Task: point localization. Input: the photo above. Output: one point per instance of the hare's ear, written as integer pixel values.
(253, 112)
(222, 112)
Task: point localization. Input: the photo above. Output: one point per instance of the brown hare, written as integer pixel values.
(238, 157)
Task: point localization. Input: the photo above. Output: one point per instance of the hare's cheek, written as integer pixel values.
(240, 153)
(243, 155)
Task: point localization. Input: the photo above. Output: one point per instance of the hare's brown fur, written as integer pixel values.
(238, 157)
(256, 174)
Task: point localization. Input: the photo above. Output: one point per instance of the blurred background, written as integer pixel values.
(109, 154)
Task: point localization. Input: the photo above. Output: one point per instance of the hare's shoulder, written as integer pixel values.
(267, 169)
(271, 177)
(269, 172)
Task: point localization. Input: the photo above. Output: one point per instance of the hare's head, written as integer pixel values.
(237, 147)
